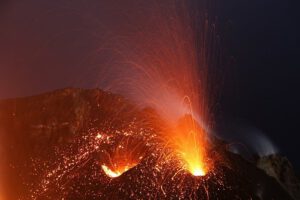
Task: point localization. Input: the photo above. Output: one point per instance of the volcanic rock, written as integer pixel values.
(282, 170)
(44, 133)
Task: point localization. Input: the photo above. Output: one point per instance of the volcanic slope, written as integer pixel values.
(54, 145)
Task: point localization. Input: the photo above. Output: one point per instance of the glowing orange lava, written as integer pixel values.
(125, 156)
(165, 65)
(118, 171)
(189, 142)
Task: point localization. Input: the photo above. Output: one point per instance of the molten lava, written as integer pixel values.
(190, 143)
(164, 64)
(125, 156)
(118, 171)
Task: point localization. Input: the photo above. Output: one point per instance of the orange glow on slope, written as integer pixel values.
(118, 171)
(125, 156)
(166, 60)
(189, 142)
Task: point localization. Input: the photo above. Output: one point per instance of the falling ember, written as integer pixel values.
(189, 142)
(160, 63)
(163, 63)
(124, 157)
(145, 133)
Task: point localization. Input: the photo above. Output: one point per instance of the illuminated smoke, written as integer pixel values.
(162, 63)
(250, 140)
(159, 63)
(189, 141)
(260, 143)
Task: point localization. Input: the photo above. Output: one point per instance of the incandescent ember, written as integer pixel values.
(60, 144)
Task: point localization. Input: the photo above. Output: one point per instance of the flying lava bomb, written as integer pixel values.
(148, 132)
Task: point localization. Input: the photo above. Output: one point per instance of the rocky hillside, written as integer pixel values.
(46, 154)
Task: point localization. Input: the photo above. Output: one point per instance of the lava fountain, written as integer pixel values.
(190, 145)
(126, 155)
(162, 62)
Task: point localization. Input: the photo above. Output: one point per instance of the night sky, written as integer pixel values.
(46, 45)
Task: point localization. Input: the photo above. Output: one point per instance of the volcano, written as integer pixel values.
(56, 145)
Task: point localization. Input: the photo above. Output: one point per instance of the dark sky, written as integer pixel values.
(45, 45)
(263, 89)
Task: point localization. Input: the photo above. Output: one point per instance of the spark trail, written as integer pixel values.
(162, 62)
